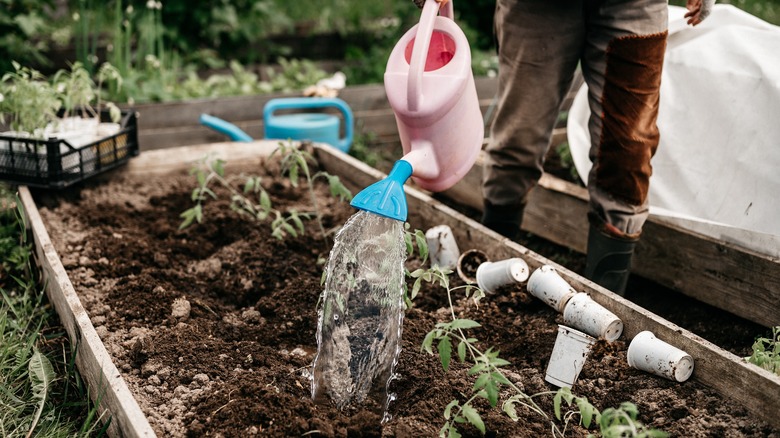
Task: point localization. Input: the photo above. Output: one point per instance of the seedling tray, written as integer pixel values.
(55, 163)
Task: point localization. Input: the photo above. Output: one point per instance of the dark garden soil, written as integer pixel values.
(213, 327)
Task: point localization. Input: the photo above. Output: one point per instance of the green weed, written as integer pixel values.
(766, 352)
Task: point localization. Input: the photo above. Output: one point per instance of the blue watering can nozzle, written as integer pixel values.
(234, 132)
(386, 197)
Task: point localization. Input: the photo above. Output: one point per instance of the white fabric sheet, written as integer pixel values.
(717, 169)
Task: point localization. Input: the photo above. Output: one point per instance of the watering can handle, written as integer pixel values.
(422, 42)
(314, 102)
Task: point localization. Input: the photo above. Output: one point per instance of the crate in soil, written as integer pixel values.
(55, 163)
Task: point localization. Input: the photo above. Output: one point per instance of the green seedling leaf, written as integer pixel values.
(492, 392)
(481, 382)
(337, 188)
(587, 411)
(473, 417)
(462, 351)
(500, 378)
(408, 241)
(630, 409)
(448, 409)
(422, 245)
(427, 344)
(464, 324)
(477, 368)
(416, 287)
(445, 352)
(250, 185)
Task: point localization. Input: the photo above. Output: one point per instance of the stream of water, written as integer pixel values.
(361, 312)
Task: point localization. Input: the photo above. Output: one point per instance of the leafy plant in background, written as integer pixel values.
(28, 102)
(766, 352)
(24, 24)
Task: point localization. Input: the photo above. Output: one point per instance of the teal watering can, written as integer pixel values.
(317, 127)
(431, 90)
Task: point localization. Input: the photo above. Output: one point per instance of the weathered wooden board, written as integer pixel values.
(725, 372)
(105, 384)
(723, 275)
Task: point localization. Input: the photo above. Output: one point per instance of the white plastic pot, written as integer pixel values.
(583, 313)
(493, 275)
(650, 354)
(548, 286)
(571, 349)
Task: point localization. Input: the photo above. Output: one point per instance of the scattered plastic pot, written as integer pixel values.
(493, 275)
(468, 263)
(591, 317)
(442, 247)
(548, 286)
(650, 354)
(571, 349)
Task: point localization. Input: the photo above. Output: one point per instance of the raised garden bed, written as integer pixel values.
(211, 330)
(719, 274)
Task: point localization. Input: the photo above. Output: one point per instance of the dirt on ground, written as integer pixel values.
(213, 326)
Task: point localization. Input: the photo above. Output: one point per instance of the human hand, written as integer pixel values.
(698, 10)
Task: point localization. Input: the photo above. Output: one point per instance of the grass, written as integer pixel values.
(41, 394)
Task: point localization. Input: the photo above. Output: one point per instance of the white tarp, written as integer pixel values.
(717, 168)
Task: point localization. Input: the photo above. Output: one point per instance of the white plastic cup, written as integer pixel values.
(582, 313)
(493, 275)
(548, 286)
(442, 247)
(571, 349)
(650, 354)
(468, 263)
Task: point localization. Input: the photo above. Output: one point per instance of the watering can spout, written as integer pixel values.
(386, 197)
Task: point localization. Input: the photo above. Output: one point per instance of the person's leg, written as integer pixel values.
(539, 45)
(622, 66)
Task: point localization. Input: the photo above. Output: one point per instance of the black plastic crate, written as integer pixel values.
(55, 163)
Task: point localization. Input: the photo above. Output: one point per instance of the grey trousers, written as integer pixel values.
(619, 46)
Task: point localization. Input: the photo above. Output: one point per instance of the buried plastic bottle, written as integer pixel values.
(650, 354)
(583, 313)
(493, 275)
(361, 313)
(546, 284)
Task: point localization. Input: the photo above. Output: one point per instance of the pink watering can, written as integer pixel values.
(431, 89)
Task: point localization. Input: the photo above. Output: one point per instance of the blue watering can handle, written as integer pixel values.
(314, 102)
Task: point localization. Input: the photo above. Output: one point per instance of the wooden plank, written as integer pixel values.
(106, 385)
(721, 274)
(728, 374)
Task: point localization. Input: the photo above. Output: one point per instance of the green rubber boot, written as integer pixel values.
(503, 219)
(608, 261)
